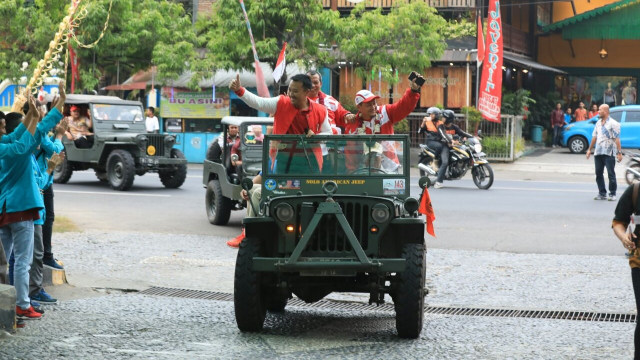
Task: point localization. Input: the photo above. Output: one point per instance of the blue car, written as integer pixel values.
(577, 135)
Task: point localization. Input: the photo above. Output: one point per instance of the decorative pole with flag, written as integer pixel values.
(479, 52)
(491, 84)
(260, 84)
(281, 64)
(73, 58)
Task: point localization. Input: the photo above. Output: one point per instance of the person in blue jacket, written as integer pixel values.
(20, 202)
(16, 147)
(48, 147)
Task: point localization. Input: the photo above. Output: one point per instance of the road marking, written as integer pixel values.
(108, 193)
(546, 190)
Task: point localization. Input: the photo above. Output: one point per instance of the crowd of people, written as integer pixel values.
(28, 155)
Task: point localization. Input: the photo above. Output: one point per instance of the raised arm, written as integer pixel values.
(267, 105)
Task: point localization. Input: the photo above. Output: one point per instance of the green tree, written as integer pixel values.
(140, 33)
(405, 39)
(304, 25)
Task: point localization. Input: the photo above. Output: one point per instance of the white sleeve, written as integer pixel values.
(267, 105)
(325, 128)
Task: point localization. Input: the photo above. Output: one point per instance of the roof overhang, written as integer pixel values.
(529, 63)
(615, 21)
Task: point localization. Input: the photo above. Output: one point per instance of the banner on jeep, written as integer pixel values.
(180, 103)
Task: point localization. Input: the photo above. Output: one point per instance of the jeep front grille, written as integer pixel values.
(157, 140)
(329, 238)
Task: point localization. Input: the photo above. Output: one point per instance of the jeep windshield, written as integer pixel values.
(117, 112)
(340, 155)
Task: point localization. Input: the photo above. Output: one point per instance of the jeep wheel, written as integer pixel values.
(410, 292)
(174, 178)
(248, 298)
(218, 206)
(62, 173)
(102, 176)
(121, 169)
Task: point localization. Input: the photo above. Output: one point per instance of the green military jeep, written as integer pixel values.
(220, 178)
(122, 148)
(335, 216)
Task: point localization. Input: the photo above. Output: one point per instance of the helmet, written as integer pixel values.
(449, 116)
(433, 110)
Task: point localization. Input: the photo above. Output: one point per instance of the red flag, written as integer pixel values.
(480, 38)
(491, 83)
(280, 64)
(74, 67)
(426, 209)
(260, 84)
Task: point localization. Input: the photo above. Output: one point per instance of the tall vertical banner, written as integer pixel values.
(491, 83)
(260, 84)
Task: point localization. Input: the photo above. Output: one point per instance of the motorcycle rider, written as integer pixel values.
(444, 132)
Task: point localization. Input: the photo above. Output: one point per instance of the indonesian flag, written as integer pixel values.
(280, 65)
(426, 209)
(480, 38)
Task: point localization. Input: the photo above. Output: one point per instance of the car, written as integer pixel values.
(577, 135)
(122, 148)
(336, 215)
(220, 179)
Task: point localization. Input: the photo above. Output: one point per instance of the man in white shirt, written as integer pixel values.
(151, 121)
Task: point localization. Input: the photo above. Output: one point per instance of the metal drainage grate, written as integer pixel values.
(440, 310)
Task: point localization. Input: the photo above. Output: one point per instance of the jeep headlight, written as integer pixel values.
(380, 213)
(142, 141)
(170, 140)
(284, 212)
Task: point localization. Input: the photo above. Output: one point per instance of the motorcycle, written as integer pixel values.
(633, 167)
(462, 157)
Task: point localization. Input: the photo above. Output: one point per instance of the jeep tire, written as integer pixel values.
(121, 170)
(62, 173)
(409, 297)
(175, 177)
(248, 296)
(218, 206)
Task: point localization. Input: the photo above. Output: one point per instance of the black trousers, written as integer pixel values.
(635, 278)
(47, 228)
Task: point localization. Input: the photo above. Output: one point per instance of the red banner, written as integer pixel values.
(73, 58)
(491, 83)
(480, 39)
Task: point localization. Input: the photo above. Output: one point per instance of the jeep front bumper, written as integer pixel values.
(159, 161)
(324, 265)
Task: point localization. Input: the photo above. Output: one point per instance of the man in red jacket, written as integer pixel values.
(374, 119)
(338, 115)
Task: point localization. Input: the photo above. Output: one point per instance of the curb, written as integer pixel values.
(7, 307)
(51, 276)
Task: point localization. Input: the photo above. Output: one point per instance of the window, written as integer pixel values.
(632, 117)
(617, 115)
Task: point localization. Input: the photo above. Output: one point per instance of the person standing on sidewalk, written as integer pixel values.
(581, 113)
(557, 122)
(625, 210)
(606, 138)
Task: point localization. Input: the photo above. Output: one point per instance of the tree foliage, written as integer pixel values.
(304, 25)
(140, 33)
(405, 39)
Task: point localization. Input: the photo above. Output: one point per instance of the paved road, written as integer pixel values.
(541, 204)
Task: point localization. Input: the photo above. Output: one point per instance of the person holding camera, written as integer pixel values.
(625, 212)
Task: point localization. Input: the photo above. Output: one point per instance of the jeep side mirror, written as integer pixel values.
(424, 182)
(247, 183)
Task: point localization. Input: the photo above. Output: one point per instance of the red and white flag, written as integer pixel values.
(480, 38)
(491, 84)
(73, 59)
(426, 209)
(280, 65)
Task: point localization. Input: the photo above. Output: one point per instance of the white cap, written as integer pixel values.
(364, 96)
